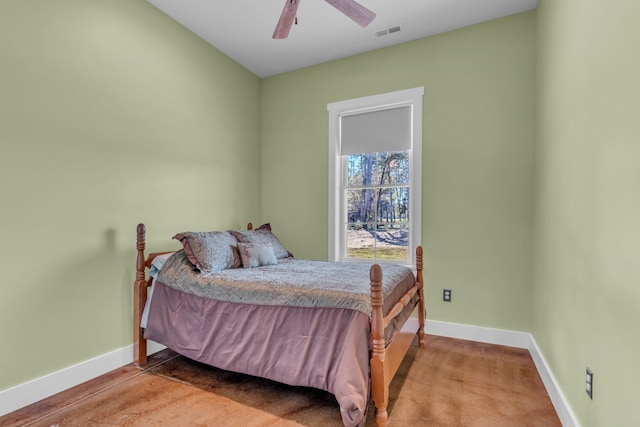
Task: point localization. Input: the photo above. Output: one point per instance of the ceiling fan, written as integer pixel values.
(353, 10)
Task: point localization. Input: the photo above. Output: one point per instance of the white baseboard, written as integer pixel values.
(566, 415)
(511, 339)
(478, 333)
(30, 392)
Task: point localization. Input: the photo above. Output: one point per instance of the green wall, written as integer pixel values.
(110, 114)
(587, 204)
(477, 160)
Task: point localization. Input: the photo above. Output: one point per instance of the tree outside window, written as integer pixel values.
(377, 204)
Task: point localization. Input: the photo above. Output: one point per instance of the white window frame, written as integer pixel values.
(337, 209)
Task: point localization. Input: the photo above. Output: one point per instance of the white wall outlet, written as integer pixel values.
(589, 385)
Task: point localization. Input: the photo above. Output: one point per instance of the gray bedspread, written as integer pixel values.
(292, 282)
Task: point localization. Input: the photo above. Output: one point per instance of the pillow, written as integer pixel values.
(262, 234)
(210, 251)
(257, 254)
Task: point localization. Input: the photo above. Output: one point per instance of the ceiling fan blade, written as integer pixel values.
(287, 18)
(353, 10)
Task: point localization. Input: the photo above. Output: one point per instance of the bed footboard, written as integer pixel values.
(385, 361)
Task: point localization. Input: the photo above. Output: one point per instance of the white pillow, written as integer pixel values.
(257, 254)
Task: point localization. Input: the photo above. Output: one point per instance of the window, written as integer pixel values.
(375, 155)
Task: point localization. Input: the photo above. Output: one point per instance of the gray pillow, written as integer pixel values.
(263, 234)
(210, 251)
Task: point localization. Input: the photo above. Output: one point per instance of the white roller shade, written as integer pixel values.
(384, 130)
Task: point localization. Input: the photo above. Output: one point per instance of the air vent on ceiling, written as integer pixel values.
(388, 31)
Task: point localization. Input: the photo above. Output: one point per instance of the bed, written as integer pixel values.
(334, 326)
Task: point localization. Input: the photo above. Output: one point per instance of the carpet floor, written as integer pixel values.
(448, 383)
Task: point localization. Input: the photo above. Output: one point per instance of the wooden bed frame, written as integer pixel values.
(385, 360)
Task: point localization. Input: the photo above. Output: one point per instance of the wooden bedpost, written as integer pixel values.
(379, 384)
(421, 308)
(139, 300)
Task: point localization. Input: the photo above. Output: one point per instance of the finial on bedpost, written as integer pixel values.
(250, 226)
(421, 307)
(140, 244)
(379, 390)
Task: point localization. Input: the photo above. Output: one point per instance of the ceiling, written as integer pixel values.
(242, 29)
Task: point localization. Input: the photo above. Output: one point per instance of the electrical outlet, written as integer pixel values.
(589, 386)
(446, 295)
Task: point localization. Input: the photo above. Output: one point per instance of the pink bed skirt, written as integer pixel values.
(324, 348)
